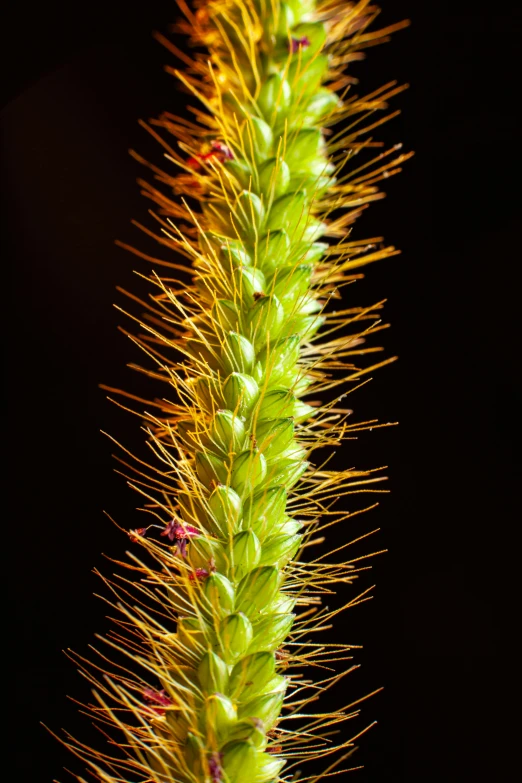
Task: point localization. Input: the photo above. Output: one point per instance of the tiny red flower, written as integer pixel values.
(215, 768)
(194, 164)
(135, 535)
(221, 151)
(295, 43)
(199, 574)
(181, 534)
(157, 697)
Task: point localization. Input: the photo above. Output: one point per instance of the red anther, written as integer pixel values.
(135, 535)
(295, 43)
(194, 164)
(221, 151)
(214, 767)
(157, 697)
(199, 574)
(176, 531)
(181, 534)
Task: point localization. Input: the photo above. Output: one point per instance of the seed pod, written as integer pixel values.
(220, 594)
(200, 351)
(280, 549)
(288, 212)
(286, 472)
(250, 675)
(228, 432)
(211, 469)
(217, 717)
(233, 254)
(258, 139)
(213, 673)
(257, 590)
(288, 526)
(275, 97)
(245, 553)
(286, 20)
(194, 753)
(250, 214)
(178, 726)
(226, 314)
(205, 395)
(238, 354)
(258, 198)
(305, 325)
(306, 81)
(272, 248)
(284, 604)
(279, 360)
(313, 230)
(240, 393)
(270, 631)
(274, 436)
(218, 217)
(274, 178)
(314, 252)
(268, 768)
(294, 451)
(265, 320)
(193, 635)
(251, 729)
(292, 283)
(306, 146)
(249, 470)
(239, 761)
(185, 432)
(249, 284)
(235, 637)
(241, 170)
(225, 508)
(308, 305)
(266, 708)
(265, 510)
(276, 404)
(203, 551)
(321, 105)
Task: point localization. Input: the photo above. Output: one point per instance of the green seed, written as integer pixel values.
(213, 673)
(240, 393)
(248, 471)
(225, 508)
(235, 637)
(266, 708)
(251, 674)
(228, 431)
(239, 759)
(245, 553)
(220, 594)
(237, 354)
(270, 631)
(257, 590)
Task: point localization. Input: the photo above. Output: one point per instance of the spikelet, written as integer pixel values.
(216, 617)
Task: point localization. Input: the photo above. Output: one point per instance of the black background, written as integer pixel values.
(78, 78)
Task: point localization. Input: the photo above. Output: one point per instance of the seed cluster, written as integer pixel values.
(236, 495)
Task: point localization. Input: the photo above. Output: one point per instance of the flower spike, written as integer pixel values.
(223, 609)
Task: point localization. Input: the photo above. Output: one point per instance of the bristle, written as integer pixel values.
(216, 615)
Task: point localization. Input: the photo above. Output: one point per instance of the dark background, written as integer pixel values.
(78, 78)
